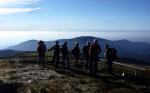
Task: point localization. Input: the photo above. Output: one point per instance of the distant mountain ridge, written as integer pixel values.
(125, 48)
(8, 53)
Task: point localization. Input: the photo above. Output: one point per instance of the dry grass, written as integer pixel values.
(73, 82)
(74, 85)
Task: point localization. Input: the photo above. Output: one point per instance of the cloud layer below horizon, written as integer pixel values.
(8, 38)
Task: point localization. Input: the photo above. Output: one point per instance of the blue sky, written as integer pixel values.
(22, 20)
(33, 15)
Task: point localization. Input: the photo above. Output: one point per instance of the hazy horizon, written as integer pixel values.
(9, 38)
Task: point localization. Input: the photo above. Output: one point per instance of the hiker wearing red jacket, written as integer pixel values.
(94, 54)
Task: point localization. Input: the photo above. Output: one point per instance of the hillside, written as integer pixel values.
(125, 48)
(8, 53)
(30, 78)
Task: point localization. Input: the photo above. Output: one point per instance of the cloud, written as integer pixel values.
(4, 11)
(18, 1)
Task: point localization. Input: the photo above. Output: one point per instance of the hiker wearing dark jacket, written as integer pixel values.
(65, 52)
(109, 58)
(85, 51)
(94, 54)
(41, 49)
(56, 49)
(76, 53)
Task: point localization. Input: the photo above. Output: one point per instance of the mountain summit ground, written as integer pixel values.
(30, 78)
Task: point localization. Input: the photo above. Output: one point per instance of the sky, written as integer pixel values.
(86, 16)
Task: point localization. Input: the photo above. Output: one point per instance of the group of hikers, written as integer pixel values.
(90, 51)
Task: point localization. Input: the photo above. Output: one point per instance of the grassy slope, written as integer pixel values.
(75, 80)
(68, 82)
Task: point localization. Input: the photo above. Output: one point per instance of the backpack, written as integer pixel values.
(64, 49)
(113, 53)
(73, 51)
(84, 49)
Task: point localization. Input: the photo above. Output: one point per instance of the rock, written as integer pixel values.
(1, 82)
(43, 90)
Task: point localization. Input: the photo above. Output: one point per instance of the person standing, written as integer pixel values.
(110, 55)
(94, 52)
(76, 53)
(56, 55)
(41, 49)
(85, 51)
(65, 52)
